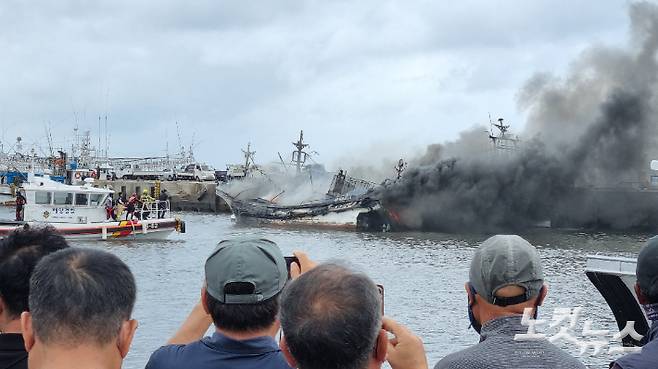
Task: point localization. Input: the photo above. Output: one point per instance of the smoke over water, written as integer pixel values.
(584, 157)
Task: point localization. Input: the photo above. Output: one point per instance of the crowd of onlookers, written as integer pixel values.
(68, 307)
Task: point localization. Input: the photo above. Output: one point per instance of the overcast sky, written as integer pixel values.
(357, 76)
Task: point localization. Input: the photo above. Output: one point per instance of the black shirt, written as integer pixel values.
(12, 351)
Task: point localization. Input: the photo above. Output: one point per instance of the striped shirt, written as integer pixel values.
(498, 350)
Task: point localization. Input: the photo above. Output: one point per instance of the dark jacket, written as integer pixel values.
(645, 359)
(12, 351)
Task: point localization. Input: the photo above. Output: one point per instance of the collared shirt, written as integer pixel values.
(220, 352)
(645, 359)
(12, 351)
(498, 350)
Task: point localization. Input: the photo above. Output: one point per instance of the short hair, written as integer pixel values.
(243, 317)
(19, 254)
(81, 295)
(330, 317)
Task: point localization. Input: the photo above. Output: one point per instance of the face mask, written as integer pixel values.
(474, 323)
(478, 327)
(536, 314)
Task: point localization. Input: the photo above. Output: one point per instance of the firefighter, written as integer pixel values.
(146, 200)
(130, 207)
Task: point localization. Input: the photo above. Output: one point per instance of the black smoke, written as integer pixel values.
(585, 161)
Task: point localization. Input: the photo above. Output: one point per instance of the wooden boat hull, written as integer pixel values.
(346, 220)
(337, 213)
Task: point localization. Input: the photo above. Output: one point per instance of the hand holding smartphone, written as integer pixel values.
(289, 261)
(295, 259)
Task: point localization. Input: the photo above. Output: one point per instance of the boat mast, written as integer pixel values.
(399, 168)
(299, 156)
(503, 141)
(248, 158)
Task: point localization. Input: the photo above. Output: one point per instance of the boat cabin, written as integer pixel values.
(54, 202)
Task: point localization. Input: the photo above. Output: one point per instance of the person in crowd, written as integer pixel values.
(81, 302)
(20, 204)
(331, 318)
(145, 200)
(109, 207)
(130, 206)
(119, 205)
(162, 204)
(19, 254)
(243, 281)
(505, 278)
(646, 289)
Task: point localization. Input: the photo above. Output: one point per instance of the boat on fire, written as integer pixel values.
(78, 212)
(339, 208)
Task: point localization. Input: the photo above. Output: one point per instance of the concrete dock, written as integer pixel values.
(183, 195)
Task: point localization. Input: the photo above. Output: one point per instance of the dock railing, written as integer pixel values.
(154, 210)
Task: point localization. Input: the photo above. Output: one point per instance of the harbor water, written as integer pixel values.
(423, 275)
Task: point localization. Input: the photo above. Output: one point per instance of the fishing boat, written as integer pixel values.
(78, 212)
(340, 208)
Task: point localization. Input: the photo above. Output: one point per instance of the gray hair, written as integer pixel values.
(331, 317)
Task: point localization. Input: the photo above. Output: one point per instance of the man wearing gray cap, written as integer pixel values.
(646, 289)
(505, 278)
(244, 278)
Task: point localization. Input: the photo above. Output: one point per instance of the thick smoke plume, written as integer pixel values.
(280, 188)
(584, 159)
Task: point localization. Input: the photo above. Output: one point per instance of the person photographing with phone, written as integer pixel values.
(331, 318)
(243, 280)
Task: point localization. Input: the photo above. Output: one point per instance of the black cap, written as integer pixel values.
(647, 268)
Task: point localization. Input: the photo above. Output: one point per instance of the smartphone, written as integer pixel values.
(289, 261)
(380, 288)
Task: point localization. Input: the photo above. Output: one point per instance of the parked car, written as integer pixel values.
(134, 171)
(196, 172)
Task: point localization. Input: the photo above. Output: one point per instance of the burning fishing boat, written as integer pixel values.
(340, 207)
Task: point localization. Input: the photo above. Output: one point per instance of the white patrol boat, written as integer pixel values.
(78, 212)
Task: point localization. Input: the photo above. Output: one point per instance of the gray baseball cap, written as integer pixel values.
(256, 263)
(506, 260)
(647, 268)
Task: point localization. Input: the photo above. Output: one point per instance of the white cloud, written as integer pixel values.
(350, 74)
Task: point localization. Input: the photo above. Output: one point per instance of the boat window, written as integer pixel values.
(63, 198)
(42, 197)
(81, 199)
(96, 199)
